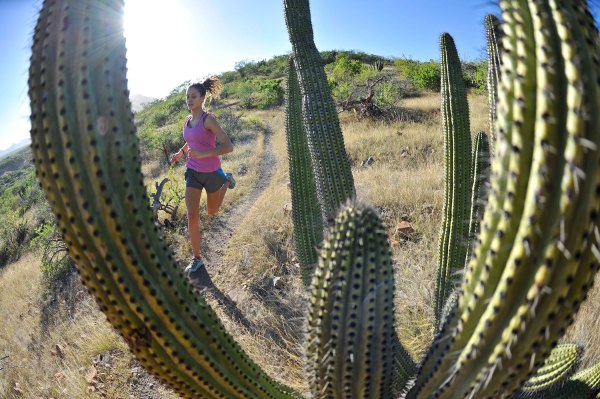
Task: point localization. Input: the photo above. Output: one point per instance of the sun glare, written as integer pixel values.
(154, 30)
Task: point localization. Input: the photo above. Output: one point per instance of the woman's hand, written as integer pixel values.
(175, 157)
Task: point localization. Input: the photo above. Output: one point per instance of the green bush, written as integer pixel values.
(426, 75)
(475, 75)
(255, 93)
(345, 68)
(406, 68)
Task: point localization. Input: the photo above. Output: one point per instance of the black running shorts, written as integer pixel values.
(210, 181)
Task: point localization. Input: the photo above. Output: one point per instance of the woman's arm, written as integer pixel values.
(175, 157)
(224, 145)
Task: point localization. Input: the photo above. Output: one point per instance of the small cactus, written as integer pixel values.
(557, 368)
(480, 176)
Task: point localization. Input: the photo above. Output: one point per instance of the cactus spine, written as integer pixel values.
(457, 181)
(86, 158)
(330, 162)
(306, 213)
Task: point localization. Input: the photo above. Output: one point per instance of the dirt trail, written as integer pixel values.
(216, 237)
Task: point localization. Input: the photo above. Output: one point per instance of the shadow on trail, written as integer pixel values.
(204, 284)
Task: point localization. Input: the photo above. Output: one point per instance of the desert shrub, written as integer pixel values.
(388, 93)
(15, 234)
(406, 68)
(255, 93)
(426, 75)
(49, 244)
(475, 75)
(345, 68)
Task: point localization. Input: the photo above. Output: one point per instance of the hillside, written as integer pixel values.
(56, 343)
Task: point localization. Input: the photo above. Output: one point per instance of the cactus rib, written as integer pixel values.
(493, 42)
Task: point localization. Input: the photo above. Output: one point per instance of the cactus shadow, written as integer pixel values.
(201, 281)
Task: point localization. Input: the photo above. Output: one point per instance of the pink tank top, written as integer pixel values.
(200, 138)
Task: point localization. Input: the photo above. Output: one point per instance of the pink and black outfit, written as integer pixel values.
(202, 172)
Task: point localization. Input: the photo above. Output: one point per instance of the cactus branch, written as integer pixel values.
(351, 333)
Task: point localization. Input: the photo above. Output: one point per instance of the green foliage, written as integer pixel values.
(406, 68)
(426, 75)
(345, 68)
(255, 93)
(475, 76)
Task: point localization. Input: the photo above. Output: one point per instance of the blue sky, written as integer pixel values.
(176, 40)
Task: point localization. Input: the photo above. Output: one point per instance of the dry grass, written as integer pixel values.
(259, 272)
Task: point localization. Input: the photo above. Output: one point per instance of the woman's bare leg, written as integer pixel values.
(192, 202)
(215, 200)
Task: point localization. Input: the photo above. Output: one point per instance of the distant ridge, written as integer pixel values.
(139, 102)
(15, 147)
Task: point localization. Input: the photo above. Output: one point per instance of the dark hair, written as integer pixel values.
(212, 85)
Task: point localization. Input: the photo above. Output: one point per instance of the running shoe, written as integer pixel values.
(194, 265)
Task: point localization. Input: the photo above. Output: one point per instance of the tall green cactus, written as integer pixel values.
(457, 180)
(330, 162)
(492, 34)
(87, 161)
(536, 256)
(306, 213)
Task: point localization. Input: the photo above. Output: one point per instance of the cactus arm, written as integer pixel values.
(331, 165)
(457, 151)
(435, 359)
(87, 161)
(481, 178)
(351, 327)
(492, 35)
(557, 368)
(520, 305)
(529, 331)
(306, 213)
